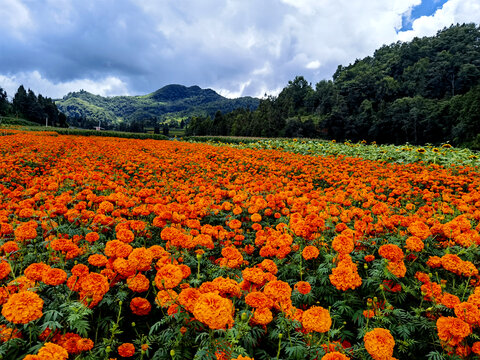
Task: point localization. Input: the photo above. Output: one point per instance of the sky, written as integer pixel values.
(235, 47)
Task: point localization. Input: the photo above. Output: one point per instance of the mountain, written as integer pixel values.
(172, 102)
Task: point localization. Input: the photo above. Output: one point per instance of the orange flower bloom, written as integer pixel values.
(35, 271)
(343, 244)
(467, 312)
(262, 316)
(5, 269)
(257, 299)
(141, 258)
(345, 275)
(97, 260)
(54, 277)
(310, 252)
(214, 311)
(166, 298)
(168, 276)
(188, 297)
(413, 243)
(316, 319)
(278, 291)
(335, 355)
(303, 287)
(91, 237)
(379, 343)
(23, 307)
(126, 350)
(391, 252)
(140, 306)
(52, 351)
(138, 283)
(452, 330)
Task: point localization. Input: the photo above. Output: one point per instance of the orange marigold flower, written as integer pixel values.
(166, 298)
(369, 258)
(85, 344)
(262, 316)
(419, 229)
(254, 275)
(35, 271)
(5, 269)
(343, 244)
(269, 265)
(168, 276)
(391, 252)
(138, 283)
(214, 311)
(52, 351)
(234, 224)
(467, 312)
(126, 350)
(9, 247)
(125, 235)
(316, 319)
(379, 343)
(241, 357)
(188, 297)
(449, 300)
(140, 306)
(80, 270)
(334, 355)
(345, 276)
(397, 268)
(452, 330)
(413, 243)
(256, 217)
(303, 287)
(23, 307)
(54, 277)
(310, 252)
(123, 267)
(278, 291)
(97, 260)
(92, 288)
(91, 237)
(476, 347)
(258, 299)
(141, 258)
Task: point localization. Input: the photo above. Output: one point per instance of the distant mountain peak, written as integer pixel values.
(176, 92)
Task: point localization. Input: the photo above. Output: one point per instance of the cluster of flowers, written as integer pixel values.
(201, 239)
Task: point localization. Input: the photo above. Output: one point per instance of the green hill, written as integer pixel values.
(170, 102)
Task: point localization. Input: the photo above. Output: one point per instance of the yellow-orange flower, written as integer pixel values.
(316, 319)
(23, 307)
(379, 343)
(214, 311)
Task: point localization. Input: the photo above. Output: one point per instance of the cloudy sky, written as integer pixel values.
(236, 47)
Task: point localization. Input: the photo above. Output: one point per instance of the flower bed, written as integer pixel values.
(144, 249)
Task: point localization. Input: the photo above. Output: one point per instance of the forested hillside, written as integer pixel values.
(423, 91)
(26, 105)
(172, 102)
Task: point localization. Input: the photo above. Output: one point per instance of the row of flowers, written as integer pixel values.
(163, 249)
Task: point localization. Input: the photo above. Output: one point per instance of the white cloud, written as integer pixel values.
(452, 12)
(108, 86)
(237, 47)
(15, 17)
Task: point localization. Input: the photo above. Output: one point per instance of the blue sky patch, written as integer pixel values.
(426, 8)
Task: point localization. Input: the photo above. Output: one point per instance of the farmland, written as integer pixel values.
(147, 249)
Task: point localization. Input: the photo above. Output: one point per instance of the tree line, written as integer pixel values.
(423, 91)
(28, 106)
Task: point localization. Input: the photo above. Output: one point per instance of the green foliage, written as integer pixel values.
(172, 102)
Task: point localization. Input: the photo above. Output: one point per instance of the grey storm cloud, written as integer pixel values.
(237, 47)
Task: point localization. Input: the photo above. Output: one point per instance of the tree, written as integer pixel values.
(4, 104)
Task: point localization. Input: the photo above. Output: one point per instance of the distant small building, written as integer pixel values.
(98, 128)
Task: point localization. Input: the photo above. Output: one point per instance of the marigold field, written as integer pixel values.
(121, 248)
